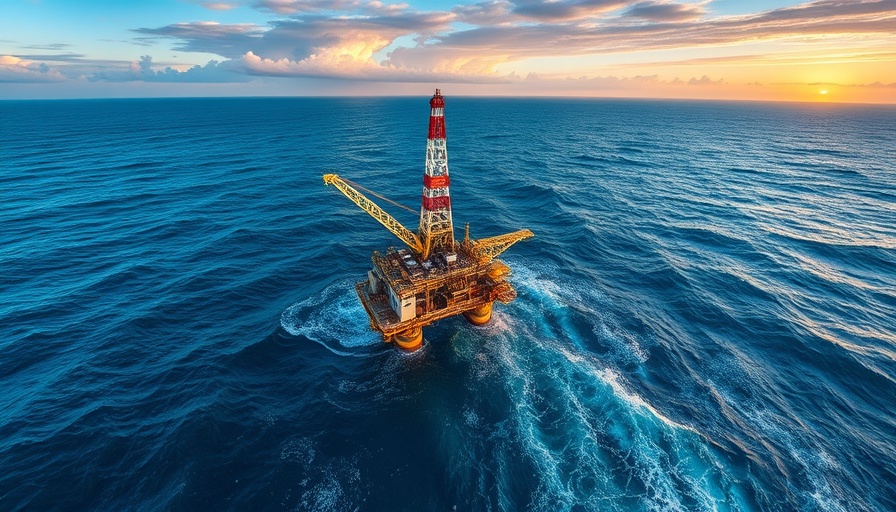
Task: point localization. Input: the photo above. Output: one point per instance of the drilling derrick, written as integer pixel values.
(434, 277)
(436, 228)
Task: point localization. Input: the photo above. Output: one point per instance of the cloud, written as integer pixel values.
(470, 43)
(704, 80)
(788, 58)
(300, 6)
(14, 69)
(838, 9)
(665, 11)
(230, 41)
(316, 6)
(52, 47)
(564, 10)
(310, 45)
(328, 67)
(874, 85)
(492, 12)
(664, 25)
(446, 60)
(595, 82)
(344, 37)
(54, 57)
(299, 38)
(219, 6)
(212, 72)
(142, 70)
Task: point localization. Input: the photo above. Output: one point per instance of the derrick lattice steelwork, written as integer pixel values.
(436, 227)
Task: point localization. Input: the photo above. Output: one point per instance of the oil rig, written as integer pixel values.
(434, 277)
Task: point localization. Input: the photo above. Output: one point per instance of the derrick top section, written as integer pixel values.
(437, 116)
(437, 100)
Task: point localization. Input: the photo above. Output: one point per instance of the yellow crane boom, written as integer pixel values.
(486, 249)
(404, 234)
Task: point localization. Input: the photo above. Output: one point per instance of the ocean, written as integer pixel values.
(706, 316)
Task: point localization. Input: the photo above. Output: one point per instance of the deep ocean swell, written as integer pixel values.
(706, 317)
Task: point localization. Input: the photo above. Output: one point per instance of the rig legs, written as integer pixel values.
(410, 339)
(480, 315)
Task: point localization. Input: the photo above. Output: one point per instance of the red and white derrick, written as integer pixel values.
(436, 228)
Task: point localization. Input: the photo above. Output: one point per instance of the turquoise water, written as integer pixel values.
(705, 317)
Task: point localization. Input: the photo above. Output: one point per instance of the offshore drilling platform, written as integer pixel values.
(434, 277)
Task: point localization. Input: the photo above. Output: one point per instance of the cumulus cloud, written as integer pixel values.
(704, 80)
(142, 71)
(333, 63)
(212, 72)
(446, 60)
(14, 69)
(326, 67)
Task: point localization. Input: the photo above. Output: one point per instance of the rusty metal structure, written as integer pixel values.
(435, 276)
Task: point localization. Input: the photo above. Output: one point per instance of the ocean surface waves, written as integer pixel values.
(705, 318)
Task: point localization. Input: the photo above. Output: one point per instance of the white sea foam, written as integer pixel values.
(577, 419)
(785, 438)
(613, 379)
(334, 315)
(326, 495)
(299, 450)
(327, 485)
(560, 298)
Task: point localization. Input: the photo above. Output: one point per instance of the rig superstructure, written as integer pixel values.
(434, 276)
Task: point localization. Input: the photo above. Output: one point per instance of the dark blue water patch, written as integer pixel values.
(704, 318)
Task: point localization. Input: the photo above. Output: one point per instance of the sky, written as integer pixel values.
(764, 50)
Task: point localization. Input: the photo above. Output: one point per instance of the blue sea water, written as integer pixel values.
(706, 317)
